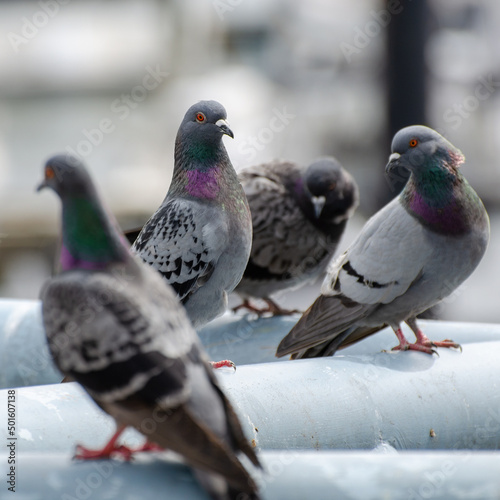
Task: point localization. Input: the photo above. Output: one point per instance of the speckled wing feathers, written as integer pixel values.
(133, 355)
(260, 186)
(286, 225)
(283, 240)
(181, 246)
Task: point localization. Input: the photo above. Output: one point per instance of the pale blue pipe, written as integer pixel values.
(408, 400)
(25, 360)
(289, 475)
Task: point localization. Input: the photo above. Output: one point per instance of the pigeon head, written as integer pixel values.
(418, 149)
(204, 124)
(330, 190)
(66, 175)
(321, 180)
(436, 192)
(91, 238)
(201, 164)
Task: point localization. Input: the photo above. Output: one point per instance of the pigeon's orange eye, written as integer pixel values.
(49, 173)
(413, 143)
(200, 117)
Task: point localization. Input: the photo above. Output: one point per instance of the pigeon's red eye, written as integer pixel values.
(413, 143)
(200, 117)
(49, 173)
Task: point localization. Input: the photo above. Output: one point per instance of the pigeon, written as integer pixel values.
(116, 327)
(411, 254)
(200, 237)
(298, 216)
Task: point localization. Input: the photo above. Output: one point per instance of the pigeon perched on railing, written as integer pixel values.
(200, 237)
(116, 327)
(411, 254)
(298, 217)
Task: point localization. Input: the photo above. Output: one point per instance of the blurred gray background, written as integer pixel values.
(111, 80)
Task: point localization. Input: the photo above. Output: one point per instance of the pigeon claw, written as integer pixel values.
(415, 347)
(224, 363)
(273, 309)
(425, 341)
(246, 305)
(447, 343)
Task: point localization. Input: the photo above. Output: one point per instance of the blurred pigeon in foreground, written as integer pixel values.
(414, 252)
(298, 215)
(117, 328)
(200, 237)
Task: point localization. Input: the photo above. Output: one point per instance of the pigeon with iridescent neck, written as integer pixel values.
(411, 254)
(116, 327)
(200, 237)
(299, 214)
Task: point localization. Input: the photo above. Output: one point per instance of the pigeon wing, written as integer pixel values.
(183, 241)
(383, 262)
(110, 337)
(284, 241)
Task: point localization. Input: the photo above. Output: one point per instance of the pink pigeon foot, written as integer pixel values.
(111, 449)
(423, 344)
(423, 340)
(224, 363)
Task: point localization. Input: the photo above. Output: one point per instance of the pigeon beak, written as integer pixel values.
(393, 162)
(223, 125)
(318, 204)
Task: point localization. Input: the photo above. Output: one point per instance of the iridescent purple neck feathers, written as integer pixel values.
(448, 219)
(202, 184)
(445, 203)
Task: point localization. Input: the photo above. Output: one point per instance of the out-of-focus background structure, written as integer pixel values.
(110, 80)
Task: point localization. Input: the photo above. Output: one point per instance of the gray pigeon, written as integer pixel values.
(200, 237)
(117, 328)
(298, 216)
(411, 254)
